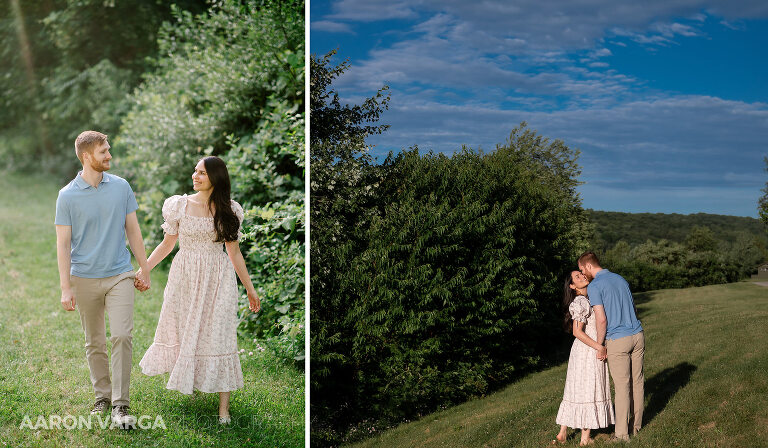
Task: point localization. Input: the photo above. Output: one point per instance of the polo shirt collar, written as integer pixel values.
(82, 184)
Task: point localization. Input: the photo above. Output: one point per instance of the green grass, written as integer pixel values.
(706, 370)
(43, 370)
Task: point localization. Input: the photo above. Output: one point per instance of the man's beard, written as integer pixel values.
(99, 167)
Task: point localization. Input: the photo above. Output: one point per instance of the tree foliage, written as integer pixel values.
(68, 66)
(636, 228)
(230, 82)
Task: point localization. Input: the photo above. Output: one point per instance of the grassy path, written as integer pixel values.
(706, 370)
(43, 371)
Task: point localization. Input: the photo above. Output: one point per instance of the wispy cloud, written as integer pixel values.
(331, 26)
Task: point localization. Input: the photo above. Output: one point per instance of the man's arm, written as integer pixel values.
(64, 257)
(601, 321)
(136, 242)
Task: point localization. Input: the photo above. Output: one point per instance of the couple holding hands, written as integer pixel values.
(196, 338)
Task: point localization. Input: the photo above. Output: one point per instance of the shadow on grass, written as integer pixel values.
(663, 386)
(642, 299)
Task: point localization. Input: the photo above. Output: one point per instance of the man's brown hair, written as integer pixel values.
(87, 141)
(589, 257)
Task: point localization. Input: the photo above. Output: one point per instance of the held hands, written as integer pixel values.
(602, 353)
(68, 300)
(254, 303)
(142, 281)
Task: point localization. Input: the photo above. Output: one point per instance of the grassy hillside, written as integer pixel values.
(636, 228)
(706, 383)
(43, 370)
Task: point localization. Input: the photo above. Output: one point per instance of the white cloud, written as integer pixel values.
(330, 26)
(439, 55)
(656, 139)
(373, 10)
(555, 24)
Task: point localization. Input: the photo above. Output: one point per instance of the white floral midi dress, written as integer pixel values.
(196, 339)
(587, 397)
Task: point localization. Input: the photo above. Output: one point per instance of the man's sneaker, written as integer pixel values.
(122, 418)
(100, 406)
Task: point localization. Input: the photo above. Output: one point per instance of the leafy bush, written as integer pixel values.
(459, 286)
(230, 82)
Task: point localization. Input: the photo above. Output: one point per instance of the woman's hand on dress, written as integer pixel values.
(254, 303)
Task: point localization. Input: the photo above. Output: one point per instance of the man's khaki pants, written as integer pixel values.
(115, 295)
(625, 361)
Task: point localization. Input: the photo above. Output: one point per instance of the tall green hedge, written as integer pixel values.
(230, 82)
(460, 282)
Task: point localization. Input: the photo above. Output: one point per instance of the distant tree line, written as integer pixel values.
(657, 251)
(637, 228)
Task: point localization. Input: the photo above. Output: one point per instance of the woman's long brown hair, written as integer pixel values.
(225, 222)
(568, 295)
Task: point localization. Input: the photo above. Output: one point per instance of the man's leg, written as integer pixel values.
(638, 379)
(89, 296)
(119, 303)
(619, 366)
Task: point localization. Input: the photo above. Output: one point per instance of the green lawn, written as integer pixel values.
(706, 369)
(43, 370)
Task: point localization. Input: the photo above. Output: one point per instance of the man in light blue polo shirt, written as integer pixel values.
(619, 328)
(95, 213)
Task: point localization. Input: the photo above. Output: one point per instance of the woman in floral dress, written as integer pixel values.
(587, 397)
(196, 339)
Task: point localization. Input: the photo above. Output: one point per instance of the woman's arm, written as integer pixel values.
(578, 332)
(236, 257)
(162, 250)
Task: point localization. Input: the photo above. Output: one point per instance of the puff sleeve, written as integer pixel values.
(238, 209)
(580, 309)
(172, 209)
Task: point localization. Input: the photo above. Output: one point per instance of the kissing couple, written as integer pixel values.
(601, 314)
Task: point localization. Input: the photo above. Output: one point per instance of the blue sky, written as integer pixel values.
(666, 100)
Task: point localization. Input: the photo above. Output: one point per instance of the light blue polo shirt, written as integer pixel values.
(97, 217)
(612, 291)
